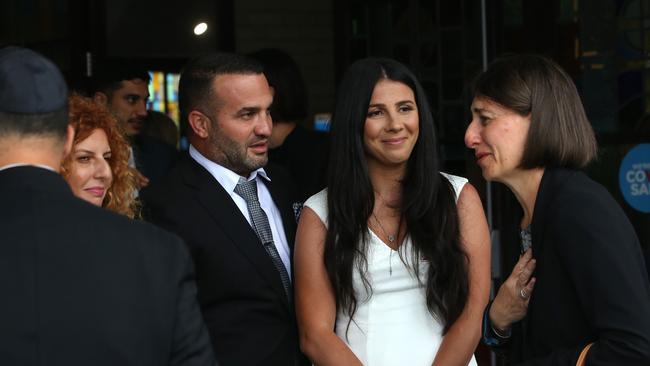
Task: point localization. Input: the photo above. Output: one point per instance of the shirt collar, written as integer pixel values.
(226, 177)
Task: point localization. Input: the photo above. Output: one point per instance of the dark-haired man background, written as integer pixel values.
(123, 87)
(302, 151)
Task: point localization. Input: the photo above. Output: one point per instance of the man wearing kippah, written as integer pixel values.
(79, 285)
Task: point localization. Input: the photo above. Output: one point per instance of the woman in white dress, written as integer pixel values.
(392, 259)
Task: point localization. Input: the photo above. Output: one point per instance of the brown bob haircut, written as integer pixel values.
(560, 134)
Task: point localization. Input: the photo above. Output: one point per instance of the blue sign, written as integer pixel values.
(634, 177)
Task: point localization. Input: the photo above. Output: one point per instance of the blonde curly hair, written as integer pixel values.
(85, 117)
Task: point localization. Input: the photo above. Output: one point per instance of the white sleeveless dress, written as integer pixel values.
(392, 326)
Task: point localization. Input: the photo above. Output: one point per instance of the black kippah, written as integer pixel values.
(30, 83)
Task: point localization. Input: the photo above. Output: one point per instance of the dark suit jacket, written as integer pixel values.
(591, 284)
(153, 158)
(304, 154)
(83, 286)
(244, 305)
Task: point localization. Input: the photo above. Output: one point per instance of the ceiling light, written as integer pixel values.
(200, 28)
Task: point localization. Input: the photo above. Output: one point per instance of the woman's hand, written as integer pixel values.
(511, 303)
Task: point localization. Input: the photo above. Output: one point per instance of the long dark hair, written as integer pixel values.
(428, 203)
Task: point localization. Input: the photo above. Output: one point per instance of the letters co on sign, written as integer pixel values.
(634, 178)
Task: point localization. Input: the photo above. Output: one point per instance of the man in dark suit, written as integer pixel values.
(123, 88)
(241, 244)
(79, 285)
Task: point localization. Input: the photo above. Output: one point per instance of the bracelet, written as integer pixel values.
(500, 334)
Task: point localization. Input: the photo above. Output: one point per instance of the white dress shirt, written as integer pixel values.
(229, 179)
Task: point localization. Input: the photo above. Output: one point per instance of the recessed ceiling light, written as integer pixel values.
(200, 28)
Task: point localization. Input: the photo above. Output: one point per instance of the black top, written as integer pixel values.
(153, 158)
(304, 154)
(592, 284)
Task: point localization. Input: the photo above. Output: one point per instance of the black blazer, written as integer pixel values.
(83, 286)
(304, 154)
(250, 320)
(592, 284)
(153, 158)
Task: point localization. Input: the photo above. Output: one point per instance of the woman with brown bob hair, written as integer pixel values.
(97, 168)
(580, 287)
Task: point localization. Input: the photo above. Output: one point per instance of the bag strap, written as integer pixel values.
(583, 355)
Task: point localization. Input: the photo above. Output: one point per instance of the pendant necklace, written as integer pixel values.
(391, 238)
(391, 241)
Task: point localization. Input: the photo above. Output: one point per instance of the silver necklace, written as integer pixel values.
(391, 238)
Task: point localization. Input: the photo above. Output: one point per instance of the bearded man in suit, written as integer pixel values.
(234, 212)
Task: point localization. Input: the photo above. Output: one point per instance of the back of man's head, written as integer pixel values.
(195, 90)
(109, 75)
(33, 95)
(289, 92)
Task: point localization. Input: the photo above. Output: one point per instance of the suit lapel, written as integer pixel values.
(545, 197)
(220, 206)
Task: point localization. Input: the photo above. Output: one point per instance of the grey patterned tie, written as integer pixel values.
(248, 191)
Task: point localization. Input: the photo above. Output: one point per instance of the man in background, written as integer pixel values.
(123, 88)
(302, 151)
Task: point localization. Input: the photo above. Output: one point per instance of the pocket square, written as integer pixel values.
(297, 209)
